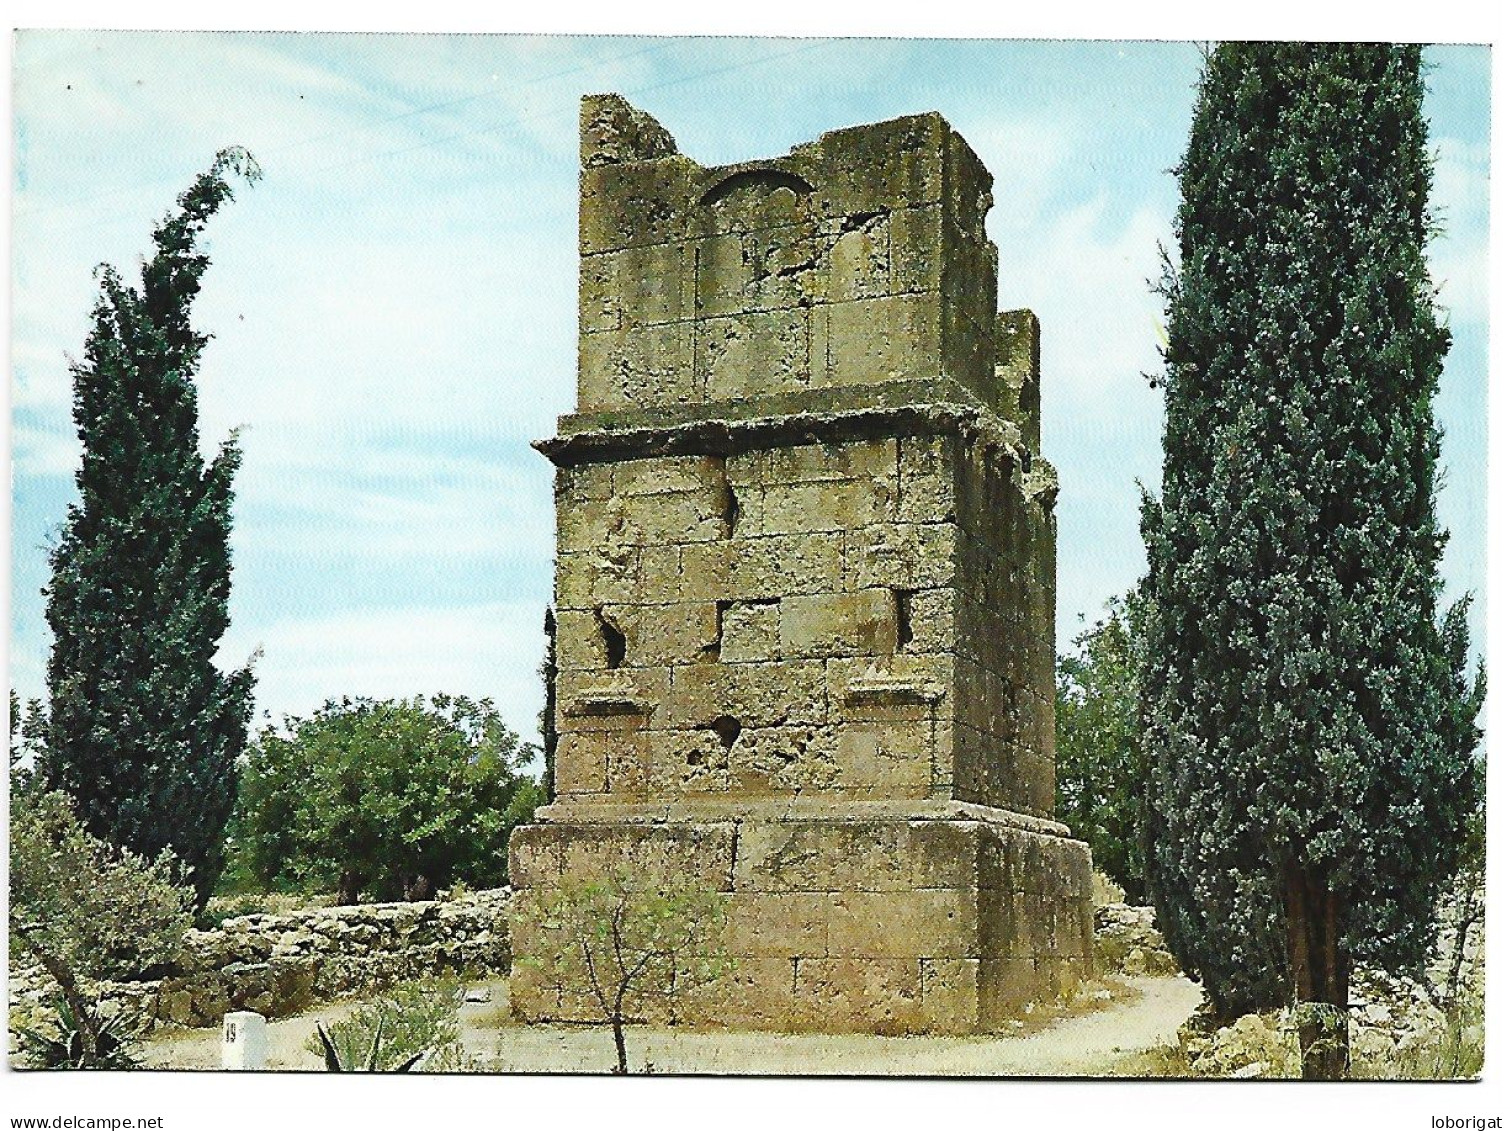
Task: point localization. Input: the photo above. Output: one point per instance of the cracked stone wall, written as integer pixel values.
(857, 258)
(805, 580)
(852, 620)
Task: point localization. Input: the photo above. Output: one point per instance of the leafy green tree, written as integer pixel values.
(1308, 719)
(86, 911)
(143, 729)
(392, 798)
(26, 735)
(1099, 771)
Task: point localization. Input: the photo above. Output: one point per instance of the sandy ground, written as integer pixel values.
(1092, 1044)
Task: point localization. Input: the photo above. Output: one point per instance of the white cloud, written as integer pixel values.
(378, 504)
(1029, 158)
(1086, 271)
(482, 651)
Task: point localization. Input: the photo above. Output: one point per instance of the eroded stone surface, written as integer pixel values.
(805, 565)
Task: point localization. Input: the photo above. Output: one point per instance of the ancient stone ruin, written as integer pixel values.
(805, 583)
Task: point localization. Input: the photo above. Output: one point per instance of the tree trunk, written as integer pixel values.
(1468, 911)
(617, 1022)
(78, 1002)
(1320, 975)
(348, 887)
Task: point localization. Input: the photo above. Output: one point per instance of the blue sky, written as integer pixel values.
(394, 304)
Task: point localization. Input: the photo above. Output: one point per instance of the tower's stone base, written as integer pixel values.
(886, 917)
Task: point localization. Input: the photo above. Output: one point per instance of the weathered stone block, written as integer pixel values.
(903, 556)
(952, 994)
(613, 132)
(918, 249)
(888, 165)
(635, 203)
(789, 508)
(606, 574)
(700, 852)
(582, 762)
(688, 761)
(759, 990)
(883, 995)
(779, 924)
(885, 759)
(885, 339)
(753, 354)
(857, 260)
(661, 475)
(750, 632)
(941, 923)
(624, 368)
(778, 759)
(675, 634)
(639, 286)
(763, 568)
(1016, 358)
(741, 198)
(839, 624)
(856, 855)
(932, 620)
(822, 463)
(788, 691)
(613, 700)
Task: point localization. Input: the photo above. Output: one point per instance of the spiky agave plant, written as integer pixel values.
(333, 1057)
(69, 1047)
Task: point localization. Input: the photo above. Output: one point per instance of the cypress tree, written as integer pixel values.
(143, 730)
(1308, 721)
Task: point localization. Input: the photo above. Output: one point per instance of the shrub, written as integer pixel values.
(392, 799)
(1098, 765)
(74, 1040)
(86, 911)
(416, 1020)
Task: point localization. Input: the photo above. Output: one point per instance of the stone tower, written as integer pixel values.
(805, 582)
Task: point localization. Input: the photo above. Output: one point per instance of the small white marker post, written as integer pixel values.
(244, 1042)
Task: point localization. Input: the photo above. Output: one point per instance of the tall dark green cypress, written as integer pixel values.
(1308, 720)
(143, 731)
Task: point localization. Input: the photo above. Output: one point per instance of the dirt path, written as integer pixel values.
(1087, 1045)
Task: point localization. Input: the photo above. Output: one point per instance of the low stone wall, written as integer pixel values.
(1125, 941)
(1398, 1026)
(278, 964)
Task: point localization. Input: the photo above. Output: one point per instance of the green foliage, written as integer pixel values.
(393, 799)
(630, 943)
(73, 1042)
(86, 911)
(411, 1026)
(1099, 770)
(1307, 718)
(143, 730)
(548, 673)
(84, 908)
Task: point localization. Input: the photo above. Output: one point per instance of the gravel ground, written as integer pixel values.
(1089, 1044)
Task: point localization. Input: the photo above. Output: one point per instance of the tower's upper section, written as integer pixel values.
(854, 271)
